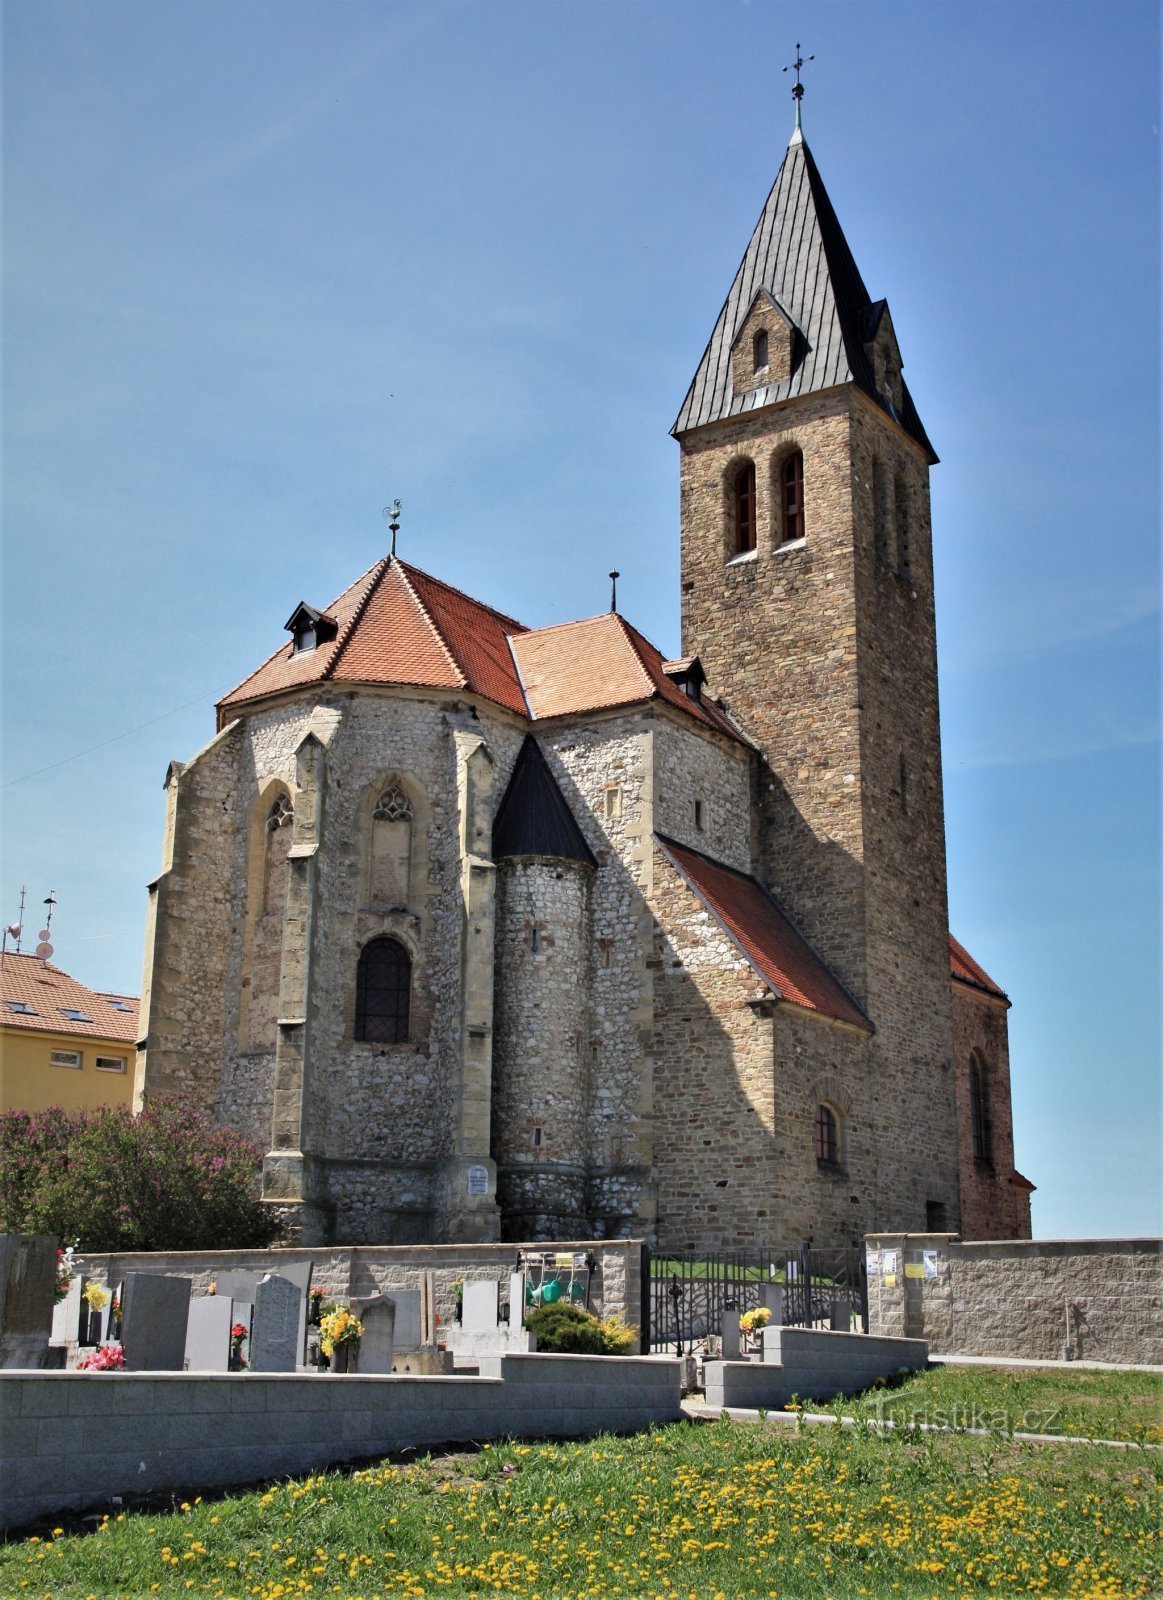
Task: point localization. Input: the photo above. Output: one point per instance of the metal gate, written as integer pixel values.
(684, 1297)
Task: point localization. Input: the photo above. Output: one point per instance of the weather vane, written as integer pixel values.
(392, 518)
(798, 88)
(614, 576)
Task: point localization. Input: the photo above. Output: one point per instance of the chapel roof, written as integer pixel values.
(534, 817)
(798, 254)
(966, 970)
(49, 993)
(748, 914)
(399, 625)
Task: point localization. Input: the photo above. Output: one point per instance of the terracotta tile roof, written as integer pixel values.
(396, 624)
(745, 910)
(597, 664)
(49, 993)
(1020, 1182)
(966, 970)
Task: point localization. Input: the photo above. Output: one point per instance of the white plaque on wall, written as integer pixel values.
(478, 1180)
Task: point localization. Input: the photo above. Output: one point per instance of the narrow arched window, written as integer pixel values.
(827, 1140)
(978, 1110)
(759, 350)
(901, 495)
(879, 511)
(279, 824)
(383, 992)
(792, 495)
(391, 856)
(744, 507)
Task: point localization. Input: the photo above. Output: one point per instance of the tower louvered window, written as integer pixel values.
(744, 508)
(383, 992)
(792, 484)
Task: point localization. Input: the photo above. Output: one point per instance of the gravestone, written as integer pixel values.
(771, 1296)
(28, 1285)
(274, 1342)
(407, 1335)
(730, 1334)
(153, 1322)
(66, 1315)
(240, 1283)
(376, 1348)
(208, 1334)
(479, 1306)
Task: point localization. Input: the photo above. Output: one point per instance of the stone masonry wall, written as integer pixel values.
(691, 766)
(992, 1205)
(1013, 1297)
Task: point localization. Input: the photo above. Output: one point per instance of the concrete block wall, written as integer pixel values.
(1010, 1297)
(69, 1440)
(811, 1364)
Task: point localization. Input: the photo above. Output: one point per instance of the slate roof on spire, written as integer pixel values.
(799, 254)
(534, 818)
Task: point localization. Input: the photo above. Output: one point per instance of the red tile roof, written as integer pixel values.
(966, 970)
(397, 624)
(745, 910)
(49, 992)
(1019, 1182)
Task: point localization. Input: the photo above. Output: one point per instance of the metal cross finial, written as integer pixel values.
(798, 88)
(614, 576)
(392, 518)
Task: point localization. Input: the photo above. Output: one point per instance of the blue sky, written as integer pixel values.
(269, 265)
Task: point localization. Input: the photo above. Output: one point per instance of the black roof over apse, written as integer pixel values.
(534, 818)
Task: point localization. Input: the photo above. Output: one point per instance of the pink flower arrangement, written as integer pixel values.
(106, 1358)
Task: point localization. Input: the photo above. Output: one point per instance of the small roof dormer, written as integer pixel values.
(309, 627)
(687, 674)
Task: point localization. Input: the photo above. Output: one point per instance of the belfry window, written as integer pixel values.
(759, 351)
(383, 992)
(827, 1137)
(743, 498)
(792, 496)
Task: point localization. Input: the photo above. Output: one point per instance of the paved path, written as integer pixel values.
(1028, 1361)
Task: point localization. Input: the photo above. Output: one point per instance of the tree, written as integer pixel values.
(167, 1179)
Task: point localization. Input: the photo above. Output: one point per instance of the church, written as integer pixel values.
(485, 931)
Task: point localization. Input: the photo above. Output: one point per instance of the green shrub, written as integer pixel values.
(165, 1180)
(565, 1329)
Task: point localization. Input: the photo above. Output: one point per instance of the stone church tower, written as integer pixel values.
(807, 593)
(482, 931)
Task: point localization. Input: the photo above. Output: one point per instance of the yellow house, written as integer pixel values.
(62, 1044)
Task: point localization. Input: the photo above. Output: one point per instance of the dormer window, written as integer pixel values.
(309, 628)
(759, 351)
(688, 675)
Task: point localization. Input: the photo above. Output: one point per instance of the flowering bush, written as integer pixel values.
(95, 1295)
(106, 1358)
(752, 1321)
(165, 1180)
(340, 1326)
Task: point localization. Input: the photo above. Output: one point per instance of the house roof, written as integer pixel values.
(966, 970)
(49, 993)
(599, 663)
(799, 255)
(399, 625)
(534, 818)
(745, 910)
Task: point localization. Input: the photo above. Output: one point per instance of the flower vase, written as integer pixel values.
(345, 1358)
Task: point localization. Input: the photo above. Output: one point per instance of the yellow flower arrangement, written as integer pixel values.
(340, 1326)
(750, 1321)
(95, 1295)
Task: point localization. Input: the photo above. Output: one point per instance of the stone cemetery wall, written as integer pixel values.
(810, 1364)
(69, 1440)
(1082, 1299)
(348, 1272)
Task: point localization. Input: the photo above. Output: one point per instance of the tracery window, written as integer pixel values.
(383, 992)
(279, 824)
(827, 1136)
(743, 498)
(391, 857)
(792, 496)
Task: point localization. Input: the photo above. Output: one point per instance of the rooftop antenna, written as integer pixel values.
(392, 518)
(14, 929)
(614, 576)
(44, 948)
(797, 93)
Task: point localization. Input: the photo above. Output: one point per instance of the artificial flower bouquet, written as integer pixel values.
(106, 1358)
(340, 1327)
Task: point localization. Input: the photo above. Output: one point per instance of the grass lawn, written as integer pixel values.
(689, 1512)
(1087, 1405)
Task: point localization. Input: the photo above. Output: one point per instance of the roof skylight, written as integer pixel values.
(22, 1008)
(74, 1016)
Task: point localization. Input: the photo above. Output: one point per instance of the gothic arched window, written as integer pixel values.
(743, 505)
(978, 1110)
(279, 823)
(759, 350)
(791, 480)
(391, 858)
(383, 992)
(827, 1136)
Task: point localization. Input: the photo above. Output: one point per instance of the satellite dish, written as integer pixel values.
(44, 951)
(44, 934)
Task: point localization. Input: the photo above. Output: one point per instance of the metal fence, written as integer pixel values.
(684, 1297)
